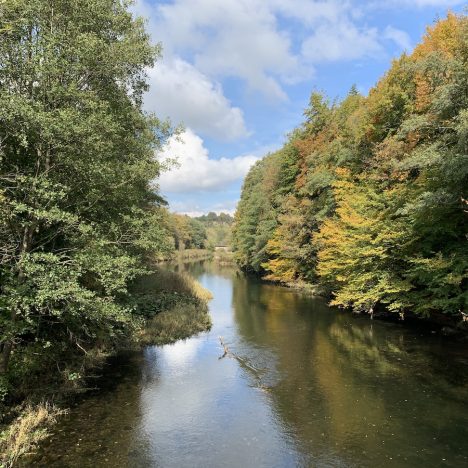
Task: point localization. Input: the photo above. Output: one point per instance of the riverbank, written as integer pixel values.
(437, 323)
(224, 257)
(176, 308)
(185, 255)
(220, 255)
(172, 306)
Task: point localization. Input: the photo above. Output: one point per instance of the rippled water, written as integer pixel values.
(302, 385)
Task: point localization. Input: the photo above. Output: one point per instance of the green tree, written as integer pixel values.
(78, 210)
(362, 249)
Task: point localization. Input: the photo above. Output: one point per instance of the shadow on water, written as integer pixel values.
(99, 429)
(304, 385)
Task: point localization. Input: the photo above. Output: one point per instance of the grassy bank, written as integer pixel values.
(193, 254)
(224, 257)
(178, 309)
(185, 255)
(168, 306)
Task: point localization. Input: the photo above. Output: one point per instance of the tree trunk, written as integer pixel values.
(5, 357)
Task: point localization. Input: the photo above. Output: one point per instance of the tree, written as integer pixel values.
(76, 163)
(361, 253)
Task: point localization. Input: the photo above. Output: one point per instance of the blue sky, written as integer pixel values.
(238, 75)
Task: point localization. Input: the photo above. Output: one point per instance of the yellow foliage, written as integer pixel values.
(445, 36)
(22, 436)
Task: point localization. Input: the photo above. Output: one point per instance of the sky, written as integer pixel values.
(238, 74)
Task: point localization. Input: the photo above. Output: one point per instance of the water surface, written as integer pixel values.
(302, 385)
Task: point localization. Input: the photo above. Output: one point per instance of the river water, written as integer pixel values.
(302, 385)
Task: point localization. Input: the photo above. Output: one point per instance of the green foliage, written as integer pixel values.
(368, 196)
(78, 209)
(255, 216)
(203, 232)
(218, 229)
(188, 233)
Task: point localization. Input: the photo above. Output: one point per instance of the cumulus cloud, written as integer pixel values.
(246, 39)
(196, 172)
(238, 38)
(399, 37)
(179, 91)
(344, 41)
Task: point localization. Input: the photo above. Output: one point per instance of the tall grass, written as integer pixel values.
(175, 307)
(25, 432)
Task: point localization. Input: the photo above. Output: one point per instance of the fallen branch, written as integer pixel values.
(226, 349)
(242, 361)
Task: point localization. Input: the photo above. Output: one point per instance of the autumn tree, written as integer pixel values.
(374, 205)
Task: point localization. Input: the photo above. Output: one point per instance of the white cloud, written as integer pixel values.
(236, 38)
(343, 41)
(179, 91)
(413, 4)
(428, 3)
(196, 171)
(401, 38)
(268, 44)
(245, 38)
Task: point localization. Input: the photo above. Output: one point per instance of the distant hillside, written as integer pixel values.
(203, 232)
(218, 229)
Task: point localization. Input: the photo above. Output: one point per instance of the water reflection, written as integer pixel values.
(304, 385)
(372, 393)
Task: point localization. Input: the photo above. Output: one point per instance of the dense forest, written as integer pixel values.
(366, 200)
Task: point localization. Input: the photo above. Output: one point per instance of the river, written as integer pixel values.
(302, 385)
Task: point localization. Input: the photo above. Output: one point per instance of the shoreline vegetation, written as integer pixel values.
(436, 323)
(173, 306)
(189, 255)
(367, 199)
(221, 255)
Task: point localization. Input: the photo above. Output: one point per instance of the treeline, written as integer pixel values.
(367, 197)
(203, 232)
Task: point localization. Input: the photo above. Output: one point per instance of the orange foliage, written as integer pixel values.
(443, 37)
